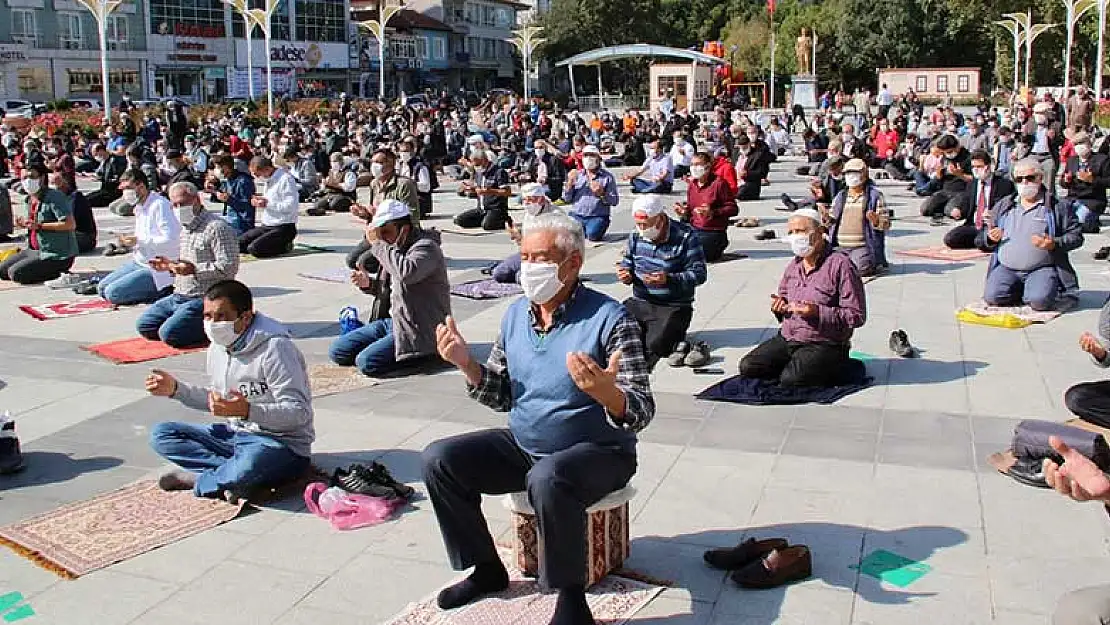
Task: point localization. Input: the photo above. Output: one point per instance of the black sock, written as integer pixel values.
(571, 608)
(486, 578)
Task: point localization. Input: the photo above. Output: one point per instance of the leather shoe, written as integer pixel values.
(1102, 253)
(751, 550)
(777, 568)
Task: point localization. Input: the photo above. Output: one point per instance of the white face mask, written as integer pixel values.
(651, 233)
(697, 171)
(186, 214)
(1029, 190)
(590, 162)
(221, 333)
(533, 209)
(800, 244)
(1040, 119)
(131, 196)
(32, 185)
(853, 179)
(404, 156)
(1083, 150)
(540, 281)
(982, 173)
(377, 170)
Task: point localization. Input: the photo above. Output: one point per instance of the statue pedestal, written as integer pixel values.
(804, 91)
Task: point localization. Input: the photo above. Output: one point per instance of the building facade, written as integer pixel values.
(962, 83)
(480, 35)
(192, 49)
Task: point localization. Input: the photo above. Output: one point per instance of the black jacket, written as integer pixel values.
(1097, 164)
(1001, 187)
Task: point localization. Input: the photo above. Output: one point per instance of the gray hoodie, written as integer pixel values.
(268, 369)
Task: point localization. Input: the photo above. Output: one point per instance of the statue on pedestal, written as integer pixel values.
(803, 49)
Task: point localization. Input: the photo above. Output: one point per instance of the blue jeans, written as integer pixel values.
(129, 284)
(370, 348)
(226, 459)
(175, 320)
(1038, 288)
(508, 270)
(1088, 213)
(239, 222)
(639, 185)
(923, 185)
(595, 227)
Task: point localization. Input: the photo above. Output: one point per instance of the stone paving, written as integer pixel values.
(896, 467)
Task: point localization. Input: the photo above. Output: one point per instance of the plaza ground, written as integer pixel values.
(898, 466)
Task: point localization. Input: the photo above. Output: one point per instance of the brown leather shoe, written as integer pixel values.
(779, 567)
(751, 550)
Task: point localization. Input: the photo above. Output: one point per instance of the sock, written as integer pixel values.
(571, 608)
(486, 578)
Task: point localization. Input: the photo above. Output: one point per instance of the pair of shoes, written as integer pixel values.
(787, 203)
(765, 235)
(65, 281)
(374, 481)
(88, 287)
(900, 344)
(748, 222)
(938, 220)
(177, 480)
(1102, 254)
(751, 550)
(687, 355)
(115, 250)
(11, 458)
(779, 567)
(316, 212)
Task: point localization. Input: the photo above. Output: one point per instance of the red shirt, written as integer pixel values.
(885, 143)
(718, 197)
(724, 170)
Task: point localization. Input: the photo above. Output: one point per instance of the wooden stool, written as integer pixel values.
(606, 534)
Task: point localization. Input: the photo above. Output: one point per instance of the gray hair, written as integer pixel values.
(187, 188)
(1028, 163)
(569, 235)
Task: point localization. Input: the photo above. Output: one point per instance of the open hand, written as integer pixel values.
(1044, 242)
(361, 279)
(234, 406)
(779, 305)
(160, 383)
(589, 376)
(995, 234)
(183, 268)
(1085, 176)
(451, 345)
(258, 202)
(1092, 346)
(1079, 477)
(657, 278)
(624, 275)
(805, 310)
(358, 210)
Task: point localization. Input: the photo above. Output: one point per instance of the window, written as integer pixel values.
(87, 82)
(422, 48)
(675, 83)
(942, 84)
(170, 17)
(922, 84)
(489, 16)
(34, 80)
(118, 32)
(963, 83)
(503, 18)
(279, 22)
(403, 47)
(472, 13)
(320, 20)
(24, 29)
(439, 48)
(69, 30)
(489, 48)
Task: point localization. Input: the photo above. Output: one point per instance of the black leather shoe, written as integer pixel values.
(751, 550)
(1102, 254)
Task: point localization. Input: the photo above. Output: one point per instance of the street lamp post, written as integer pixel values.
(1015, 29)
(377, 28)
(101, 9)
(264, 19)
(1075, 10)
(243, 10)
(526, 40)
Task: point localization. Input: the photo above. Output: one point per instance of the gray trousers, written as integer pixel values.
(460, 469)
(1086, 606)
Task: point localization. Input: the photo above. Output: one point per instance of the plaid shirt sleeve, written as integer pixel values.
(225, 247)
(633, 376)
(494, 390)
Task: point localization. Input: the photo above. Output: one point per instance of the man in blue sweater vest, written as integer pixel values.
(569, 367)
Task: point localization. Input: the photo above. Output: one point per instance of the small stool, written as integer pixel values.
(606, 534)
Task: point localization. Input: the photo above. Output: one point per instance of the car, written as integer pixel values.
(13, 105)
(417, 102)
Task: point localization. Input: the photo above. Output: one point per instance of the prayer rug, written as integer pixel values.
(1090, 427)
(138, 349)
(8, 285)
(613, 601)
(471, 233)
(328, 379)
(299, 249)
(943, 252)
(741, 390)
(46, 312)
(1003, 316)
(339, 275)
(82, 537)
(487, 288)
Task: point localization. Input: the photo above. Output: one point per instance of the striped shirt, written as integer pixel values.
(209, 243)
(680, 256)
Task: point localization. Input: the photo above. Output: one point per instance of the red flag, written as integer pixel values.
(771, 6)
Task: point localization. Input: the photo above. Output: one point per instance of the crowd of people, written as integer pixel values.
(570, 365)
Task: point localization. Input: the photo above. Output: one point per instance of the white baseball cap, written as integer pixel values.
(389, 210)
(591, 149)
(533, 189)
(649, 205)
(808, 213)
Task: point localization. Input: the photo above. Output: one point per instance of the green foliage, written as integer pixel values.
(58, 105)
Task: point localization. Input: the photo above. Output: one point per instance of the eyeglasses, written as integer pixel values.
(1029, 178)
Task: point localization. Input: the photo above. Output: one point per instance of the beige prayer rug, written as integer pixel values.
(81, 537)
(328, 379)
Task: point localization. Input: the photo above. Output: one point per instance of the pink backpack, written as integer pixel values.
(346, 511)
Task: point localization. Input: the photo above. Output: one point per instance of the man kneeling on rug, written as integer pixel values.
(259, 385)
(820, 302)
(569, 367)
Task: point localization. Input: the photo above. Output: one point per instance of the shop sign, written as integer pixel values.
(12, 53)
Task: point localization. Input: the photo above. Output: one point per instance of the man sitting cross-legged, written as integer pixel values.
(420, 295)
(664, 263)
(569, 367)
(1030, 238)
(820, 302)
(209, 254)
(259, 385)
